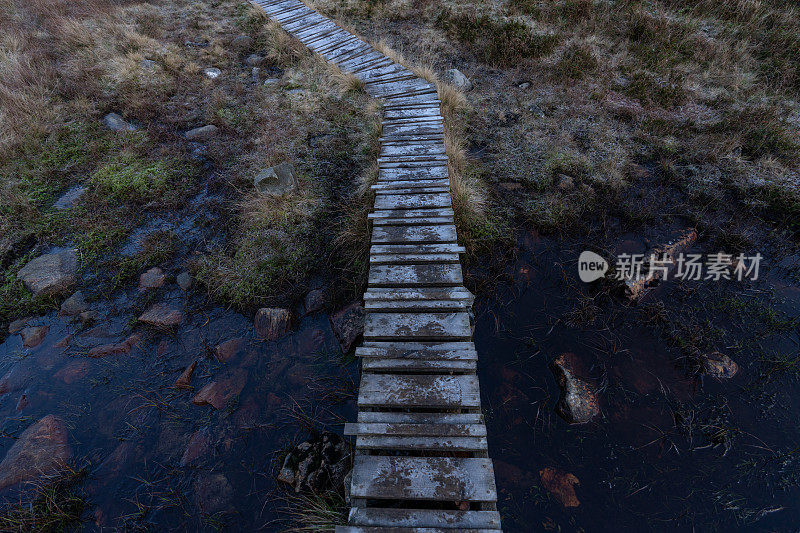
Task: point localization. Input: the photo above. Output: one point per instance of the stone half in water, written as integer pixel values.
(578, 402)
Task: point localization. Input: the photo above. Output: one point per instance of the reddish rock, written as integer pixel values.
(199, 444)
(73, 371)
(12, 381)
(115, 462)
(213, 492)
(348, 325)
(39, 451)
(719, 365)
(74, 305)
(63, 343)
(152, 279)
(315, 301)
(561, 485)
(162, 316)
(578, 402)
(273, 400)
(123, 347)
(220, 391)
(18, 325)
(22, 403)
(271, 323)
(228, 349)
(33, 337)
(185, 380)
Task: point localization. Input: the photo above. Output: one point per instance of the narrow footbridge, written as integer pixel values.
(421, 460)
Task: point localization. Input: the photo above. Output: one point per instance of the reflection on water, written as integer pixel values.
(671, 450)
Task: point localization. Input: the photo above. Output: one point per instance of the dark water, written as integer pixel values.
(639, 466)
(130, 428)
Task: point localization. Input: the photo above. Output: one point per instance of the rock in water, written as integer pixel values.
(456, 78)
(50, 274)
(315, 301)
(348, 325)
(201, 133)
(162, 316)
(185, 379)
(213, 493)
(74, 305)
(219, 392)
(33, 337)
(560, 484)
(114, 122)
(39, 451)
(123, 347)
(199, 444)
(271, 323)
(578, 402)
(317, 465)
(277, 180)
(228, 349)
(719, 365)
(18, 325)
(152, 279)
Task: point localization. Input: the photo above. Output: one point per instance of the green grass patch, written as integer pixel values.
(134, 179)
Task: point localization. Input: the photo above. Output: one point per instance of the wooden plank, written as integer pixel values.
(409, 221)
(367, 529)
(408, 259)
(423, 478)
(435, 212)
(412, 190)
(448, 351)
(412, 201)
(419, 391)
(411, 234)
(419, 430)
(416, 173)
(417, 326)
(436, 366)
(432, 518)
(429, 444)
(418, 150)
(415, 275)
(391, 249)
(395, 113)
(420, 418)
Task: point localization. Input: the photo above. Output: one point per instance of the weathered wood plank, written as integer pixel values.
(449, 351)
(416, 275)
(436, 212)
(412, 201)
(417, 326)
(388, 517)
(433, 366)
(414, 173)
(419, 391)
(418, 150)
(409, 221)
(413, 190)
(419, 430)
(410, 234)
(423, 478)
(431, 444)
(367, 529)
(407, 259)
(420, 418)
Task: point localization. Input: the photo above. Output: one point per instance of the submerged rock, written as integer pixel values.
(162, 316)
(152, 279)
(277, 180)
(561, 485)
(73, 371)
(317, 465)
(50, 274)
(228, 349)
(115, 122)
(213, 493)
(578, 402)
(348, 325)
(123, 347)
(18, 325)
(271, 323)
(719, 365)
(185, 379)
(39, 451)
(74, 305)
(456, 78)
(220, 391)
(199, 444)
(33, 337)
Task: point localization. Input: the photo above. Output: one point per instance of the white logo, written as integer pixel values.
(591, 266)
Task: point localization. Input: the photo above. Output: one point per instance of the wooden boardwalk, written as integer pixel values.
(421, 459)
